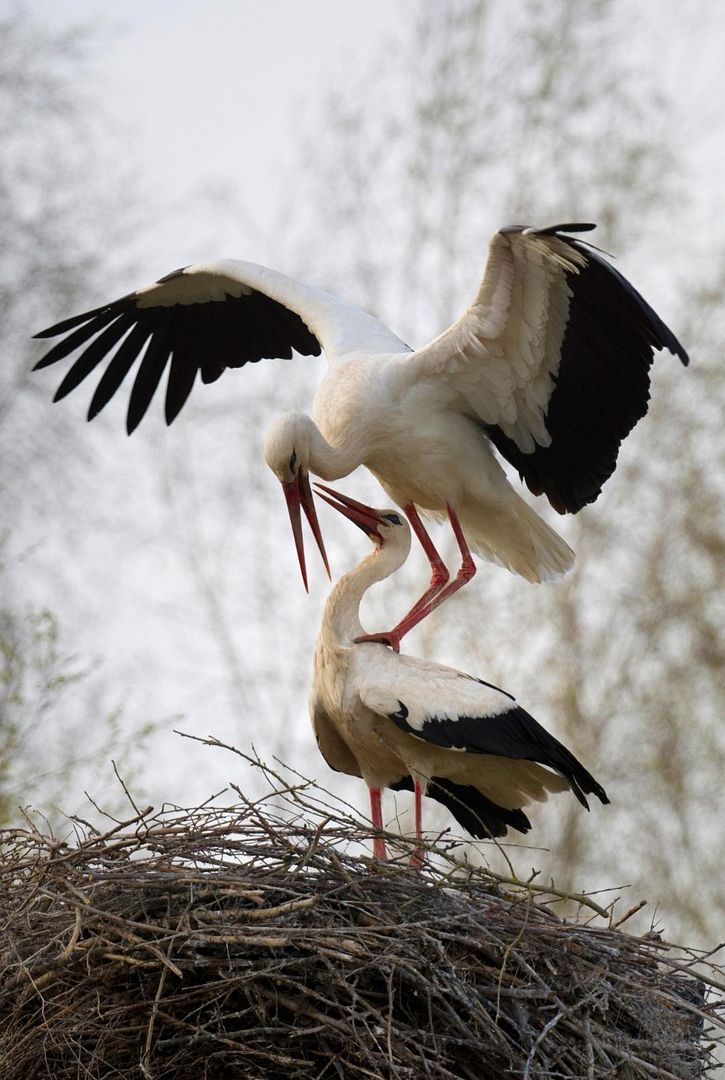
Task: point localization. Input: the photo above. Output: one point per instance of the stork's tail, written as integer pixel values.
(515, 536)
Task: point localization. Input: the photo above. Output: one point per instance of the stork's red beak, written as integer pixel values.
(298, 493)
(363, 516)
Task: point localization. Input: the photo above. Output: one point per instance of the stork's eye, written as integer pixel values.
(393, 519)
(293, 461)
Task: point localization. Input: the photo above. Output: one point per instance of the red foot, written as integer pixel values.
(392, 639)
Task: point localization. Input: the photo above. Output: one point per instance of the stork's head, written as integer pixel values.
(386, 528)
(287, 449)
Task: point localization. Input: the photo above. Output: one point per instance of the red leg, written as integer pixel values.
(433, 596)
(465, 573)
(417, 857)
(376, 813)
(439, 570)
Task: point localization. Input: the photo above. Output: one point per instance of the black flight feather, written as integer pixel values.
(205, 338)
(513, 734)
(92, 355)
(119, 367)
(601, 388)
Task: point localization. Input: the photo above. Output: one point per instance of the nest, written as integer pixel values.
(257, 941)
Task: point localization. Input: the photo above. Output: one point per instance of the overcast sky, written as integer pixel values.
(218, 92)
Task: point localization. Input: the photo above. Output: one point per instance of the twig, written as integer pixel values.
(248, 937)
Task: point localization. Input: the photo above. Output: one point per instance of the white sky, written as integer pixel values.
(216, 91)
(215, 94)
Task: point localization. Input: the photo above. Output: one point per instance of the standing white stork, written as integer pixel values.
(404, 723)
(549, 365)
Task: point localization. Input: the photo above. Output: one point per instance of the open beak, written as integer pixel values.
(298, 494)
(363, 516)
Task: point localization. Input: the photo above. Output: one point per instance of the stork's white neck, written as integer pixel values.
(341, 620)
(297, 436)
(330, 461)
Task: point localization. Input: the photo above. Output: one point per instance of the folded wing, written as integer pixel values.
(454, 711)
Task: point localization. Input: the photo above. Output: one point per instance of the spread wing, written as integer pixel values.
(201, 320)
(552, 358)
(458, 712)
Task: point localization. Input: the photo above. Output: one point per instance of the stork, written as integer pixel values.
(403, 723)
(549, 365)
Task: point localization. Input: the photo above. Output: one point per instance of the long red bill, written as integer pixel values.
(292, 496)
(365, 517)
(308, 505)
(298, 494)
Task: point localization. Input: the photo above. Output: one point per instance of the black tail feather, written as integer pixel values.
(478, 815)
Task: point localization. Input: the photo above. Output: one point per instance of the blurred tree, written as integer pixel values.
(540, 113)
(638, 650)
(50, 744)
(60, 218)
(52, 209)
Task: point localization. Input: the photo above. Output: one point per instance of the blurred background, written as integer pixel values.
(150, 584)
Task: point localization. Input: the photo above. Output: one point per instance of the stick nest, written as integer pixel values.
(257, 941)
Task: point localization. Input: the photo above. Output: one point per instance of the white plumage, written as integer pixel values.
(549, 365)
(400, 722)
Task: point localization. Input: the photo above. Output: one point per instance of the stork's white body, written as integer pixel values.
(371, 411)
(390, 718)
(350, 709)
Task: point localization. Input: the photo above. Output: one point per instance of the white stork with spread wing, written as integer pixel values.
(404, 723)
(549, 366)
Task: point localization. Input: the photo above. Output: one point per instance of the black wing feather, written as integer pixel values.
(125, 357)
(602, 386)
(92, 355)
(554, 230)
(207, 338)
(182, 374)
(230, 336)
(96, 315)
(512, 734)
(77, 338)
(149, 374)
